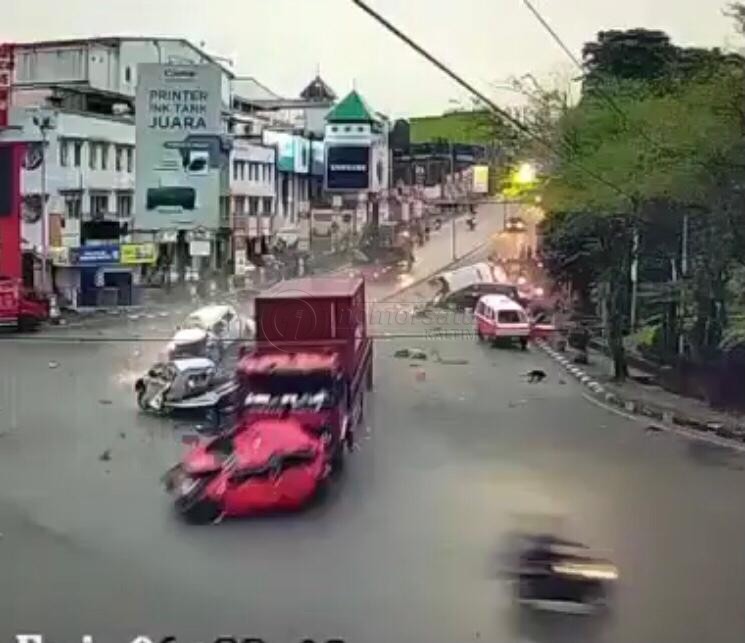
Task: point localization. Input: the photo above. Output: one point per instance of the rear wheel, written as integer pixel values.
(524, 343)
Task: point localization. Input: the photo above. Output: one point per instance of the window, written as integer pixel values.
(104, 155)
(73, 204)
(92, 155)
(271, 174)
(235, 170)
(239, 206)
(77, 153)
(130, 158)
(99, 204)
(267, 205)
(64, 152)
(128, 74)
(510, 317)
(124, 204)
(253, 205)
(264, 172)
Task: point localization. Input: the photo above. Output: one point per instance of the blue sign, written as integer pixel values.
(95, 255)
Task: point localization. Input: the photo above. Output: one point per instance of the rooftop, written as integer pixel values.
(314, 287)
(318, 90)
(352, 109)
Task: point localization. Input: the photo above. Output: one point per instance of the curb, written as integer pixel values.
(665, 420)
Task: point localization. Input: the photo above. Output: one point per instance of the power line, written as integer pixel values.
(482, 97)
(581, 66)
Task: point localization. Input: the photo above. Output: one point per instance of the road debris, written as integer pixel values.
(535, 376)
(53, 364)
(105, 402)
(562, 382)
(122, 435)
(651, 428)
(411, 353)
(105, 456)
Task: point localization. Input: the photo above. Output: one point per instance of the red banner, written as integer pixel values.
(11, 158)
(7, 52)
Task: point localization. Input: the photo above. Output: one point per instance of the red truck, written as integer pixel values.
(311, 337)
(300, 395)
(20, 307)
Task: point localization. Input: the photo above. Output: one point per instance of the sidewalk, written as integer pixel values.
(637, 396)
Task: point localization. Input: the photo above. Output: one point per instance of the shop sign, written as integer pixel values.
(138, 253)
(95, 255)
(199, 248)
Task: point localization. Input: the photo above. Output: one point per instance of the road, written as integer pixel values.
(406, 547)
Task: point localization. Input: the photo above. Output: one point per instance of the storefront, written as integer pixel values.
(101, 276)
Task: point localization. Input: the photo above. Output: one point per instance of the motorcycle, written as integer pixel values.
(558, 576)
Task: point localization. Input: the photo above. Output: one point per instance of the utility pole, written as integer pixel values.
(634, 280)
(683, 273)
(453, 250)
(44, 123)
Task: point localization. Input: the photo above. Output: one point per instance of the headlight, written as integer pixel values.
(191, 382)
(539, 292)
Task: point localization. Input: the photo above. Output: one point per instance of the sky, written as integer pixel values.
(283, 43)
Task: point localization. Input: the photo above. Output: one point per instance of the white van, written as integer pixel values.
(497, 317)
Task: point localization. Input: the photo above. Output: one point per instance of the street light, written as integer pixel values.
(525, 174)
(45, 123)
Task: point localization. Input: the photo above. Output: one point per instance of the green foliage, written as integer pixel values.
(664, 129)
(472, 127)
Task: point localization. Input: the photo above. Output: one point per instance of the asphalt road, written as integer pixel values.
(407, 546)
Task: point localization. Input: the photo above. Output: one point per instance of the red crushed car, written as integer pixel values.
(267, 465)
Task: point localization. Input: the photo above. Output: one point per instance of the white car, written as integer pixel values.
(209, 331)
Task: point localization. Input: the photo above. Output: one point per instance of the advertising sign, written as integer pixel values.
(480, 179)
(95, 255)
(285, 145)
(199, 248)
(7, 52)
(181, 153)
(348, 168)
(137, 254)
(317, 160)
(302, 155)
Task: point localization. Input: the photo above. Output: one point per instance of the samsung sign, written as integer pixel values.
(348, 168)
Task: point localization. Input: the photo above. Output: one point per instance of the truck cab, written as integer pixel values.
(308, 388)
(312, 358)
(20, 307)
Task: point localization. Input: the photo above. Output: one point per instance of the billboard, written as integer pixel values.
(293, 152)
(302, 155)
(348, 168)
(7, 53)
(181, 153)
(480, 179)
(285, 149)
(318, 162)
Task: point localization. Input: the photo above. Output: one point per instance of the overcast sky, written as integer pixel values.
(283, 42)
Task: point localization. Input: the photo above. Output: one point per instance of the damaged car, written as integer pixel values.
(183, 384)
(268, 465)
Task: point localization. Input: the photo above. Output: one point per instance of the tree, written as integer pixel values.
(658, 144)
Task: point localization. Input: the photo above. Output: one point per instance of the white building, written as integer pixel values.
(253, 178)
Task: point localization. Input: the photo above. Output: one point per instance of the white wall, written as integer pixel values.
(103, 66)
(262, 183)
